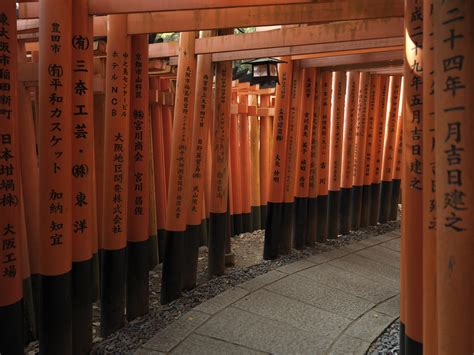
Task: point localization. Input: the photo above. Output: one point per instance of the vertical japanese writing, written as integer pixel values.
(326, 93)
(313, 192)
(380, 130)
(361, 129)
(337, 117)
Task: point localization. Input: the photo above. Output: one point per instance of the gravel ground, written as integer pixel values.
(388, 342)
(248, 249)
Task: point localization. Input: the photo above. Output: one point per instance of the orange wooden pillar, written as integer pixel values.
(454, 133)
(220, 175)
(303, 157)
(245, 165)
(159, 168)
(313, 165)
(11, 254)
(397, 161)
(369, 143)
(235, 158)
(139, 182)
(199, 143)
(411, 293)
(55, 145)
(352, 90)
(83, 212)
(323, 167)
(153, 252)
(278, 162)
(265, 136)
(167, 116)
(115, 187)
(430, 323)
(377, 152)
(255, 163)
(176, 217)
(335, 152)
(359, 149)
(389, 147)
(292, 141)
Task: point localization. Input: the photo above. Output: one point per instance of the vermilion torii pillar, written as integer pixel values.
(245, 165)
(454, 133)
(115, 184)
(55, 145)
(412, 182)
(83, 212)
(176, 217)
(11, 292)
(236, 176)
(278, 161)
(139, 182)
(255, 163)
(347, 167)
(335, 152)
(265, 133)
(323, 147)
(220, 173)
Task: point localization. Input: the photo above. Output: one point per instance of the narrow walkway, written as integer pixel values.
(336, 302)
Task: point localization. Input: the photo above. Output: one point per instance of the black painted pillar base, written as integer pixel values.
(190, 256)
(300, 228)
(112, 297)
(203, 232)
(263, 216)
(385, 197)
(312, 221)
(55, 315)
(272, 231)
(247, 222)
(238, 226)
(402, 339)
(356, 207)
(11, 325)
(365, 210)
(161, 233)
(322, 218)
(334, 198)
(95, 270)
(152, 247)
(287, 222)
(393, 214)
(29, 319)
(138, 266)
(217, 241)
(374, 204)
(82, 306)
(172, 266)
(412, 347)
(256, 218)
(345, 210)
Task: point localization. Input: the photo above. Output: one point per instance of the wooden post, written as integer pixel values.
(220, 173)
(245, 166)
(236, 176)
(152, 248)
(359, 149)
(139, 182)
(335, 152)
(255, 162)
(167, 116)
(160, 169)
(347, 167)
(265, 136)
(454, 129)
(55, 145)
(303, 157)
(397, 161)
(82, 137)
(313, 166)
(11, 292)
(412, 180)
(199, 142)
(116, 163)
(323, 167)
(292, 141)
(176, 217)
(278, 162)
(389, 147)
(377, 153)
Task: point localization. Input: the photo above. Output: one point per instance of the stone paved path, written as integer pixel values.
(336, 302)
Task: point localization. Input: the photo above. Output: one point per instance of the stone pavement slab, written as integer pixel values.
(349, 345)
(296, 266)
(393, 244)
(327, 256)
(369, 326)
(390, 307)
(262, 280)
(382, 255)
(198, 344)
(221, 301)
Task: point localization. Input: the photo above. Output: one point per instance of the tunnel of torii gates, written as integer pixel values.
(117, 154)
